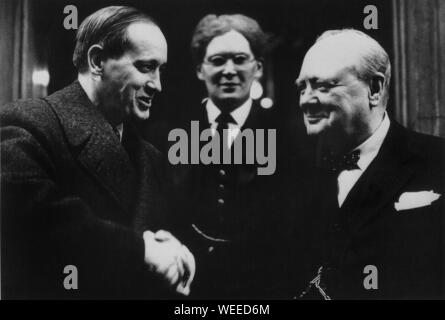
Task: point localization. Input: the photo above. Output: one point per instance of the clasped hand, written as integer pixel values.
(166, 256)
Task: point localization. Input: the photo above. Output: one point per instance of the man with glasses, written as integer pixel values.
(225, 206)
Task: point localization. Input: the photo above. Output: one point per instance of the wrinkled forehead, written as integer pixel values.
(330, 57)
(229, 42)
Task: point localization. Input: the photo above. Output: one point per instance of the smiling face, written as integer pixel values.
(334, 101)
(229, 69)
(130, 82)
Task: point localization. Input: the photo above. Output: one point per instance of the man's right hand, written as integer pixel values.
(166, 256)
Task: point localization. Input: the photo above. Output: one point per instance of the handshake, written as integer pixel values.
(170, 259)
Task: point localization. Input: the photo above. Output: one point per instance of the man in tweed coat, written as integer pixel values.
(79, 187)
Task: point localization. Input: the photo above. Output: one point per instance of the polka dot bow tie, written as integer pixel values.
(338, 164)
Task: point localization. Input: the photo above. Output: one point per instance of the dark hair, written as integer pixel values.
(106, 27)
(212, 26)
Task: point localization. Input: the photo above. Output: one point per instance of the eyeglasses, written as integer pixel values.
(239, 60)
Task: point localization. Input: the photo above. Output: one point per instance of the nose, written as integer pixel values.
(154, 82)
(308, 97)
(229, 67)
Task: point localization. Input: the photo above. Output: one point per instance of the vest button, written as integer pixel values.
(222, 172)
(221, 201)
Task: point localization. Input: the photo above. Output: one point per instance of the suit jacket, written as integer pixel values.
(235, 206)
(72, 194)
(407, 247)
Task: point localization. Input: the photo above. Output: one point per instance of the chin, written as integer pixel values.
(229, 96)
(141, 115)
(234, 98)
(311, 131)
(315, 129)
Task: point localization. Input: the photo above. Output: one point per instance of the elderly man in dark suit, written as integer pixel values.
(226, 208)
(377, 205)
(79, 187)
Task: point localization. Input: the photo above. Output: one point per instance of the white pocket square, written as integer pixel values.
(411, 200)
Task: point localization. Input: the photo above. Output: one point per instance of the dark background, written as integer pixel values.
(293, 26)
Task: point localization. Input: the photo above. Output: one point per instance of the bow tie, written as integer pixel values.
(338, 164)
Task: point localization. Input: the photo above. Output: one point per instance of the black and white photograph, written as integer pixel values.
(206, 151)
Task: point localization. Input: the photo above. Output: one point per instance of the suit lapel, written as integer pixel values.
(148, 201)
(378, 185)
(201, 116)
(256, 118)
(94, 144)
(107, 161)
(247, 173)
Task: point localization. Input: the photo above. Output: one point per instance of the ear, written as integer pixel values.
(95, 59)
(259, 72)
(199, 72)
(376, 89)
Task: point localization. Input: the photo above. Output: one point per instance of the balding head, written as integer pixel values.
(353, 45)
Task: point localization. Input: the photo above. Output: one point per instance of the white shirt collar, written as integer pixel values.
(371, 146)
(240, 114)
(120, 129)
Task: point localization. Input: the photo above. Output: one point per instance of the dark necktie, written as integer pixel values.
(338, 164)
(223, 121)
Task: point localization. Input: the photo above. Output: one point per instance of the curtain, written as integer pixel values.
(18, 53)
(419, 64)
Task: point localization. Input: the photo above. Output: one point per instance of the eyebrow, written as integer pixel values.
(299, 81)
(146, 61)
(152, 62)
(229, 53)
